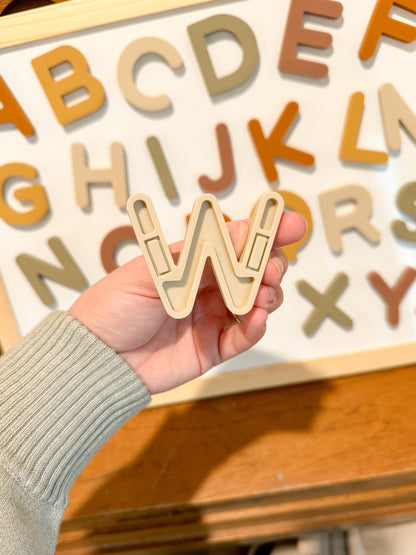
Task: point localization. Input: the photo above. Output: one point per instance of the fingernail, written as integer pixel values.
(272, 296)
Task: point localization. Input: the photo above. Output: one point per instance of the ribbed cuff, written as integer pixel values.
(63, 393)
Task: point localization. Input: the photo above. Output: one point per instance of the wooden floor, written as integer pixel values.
(251, 467)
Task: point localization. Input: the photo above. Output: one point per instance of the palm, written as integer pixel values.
(125, 311)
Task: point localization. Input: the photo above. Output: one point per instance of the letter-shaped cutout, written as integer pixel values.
(130, 57)
(206, 237)
(244, 36)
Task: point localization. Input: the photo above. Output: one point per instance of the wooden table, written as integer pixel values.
(251, 467)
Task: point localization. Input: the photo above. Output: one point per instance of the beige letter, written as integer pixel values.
(206, 237)
(395, 111)
(114, 176)
(357, 218)
(130, 57)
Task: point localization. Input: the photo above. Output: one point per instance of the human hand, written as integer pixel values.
(124, 310)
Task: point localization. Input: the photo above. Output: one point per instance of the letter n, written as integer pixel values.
(68, 274)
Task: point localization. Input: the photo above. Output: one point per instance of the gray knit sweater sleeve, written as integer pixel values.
(63, 393)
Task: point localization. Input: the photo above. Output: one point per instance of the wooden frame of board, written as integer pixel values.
(67, 17)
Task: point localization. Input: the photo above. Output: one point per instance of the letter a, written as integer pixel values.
(206, 237)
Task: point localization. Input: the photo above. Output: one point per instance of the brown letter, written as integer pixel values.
(393, 295)
(227, 163)
(296, 34)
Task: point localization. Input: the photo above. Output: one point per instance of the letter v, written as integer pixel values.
(206, 237)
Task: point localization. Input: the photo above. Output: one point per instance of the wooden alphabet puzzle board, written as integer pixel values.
(312, 98)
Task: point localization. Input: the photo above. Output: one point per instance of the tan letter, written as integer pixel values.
(406, 202)
(68, 274)
(245, 38)
(162, 168)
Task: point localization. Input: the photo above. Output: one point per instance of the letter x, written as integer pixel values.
(325, 306)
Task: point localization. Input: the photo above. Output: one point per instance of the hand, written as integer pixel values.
(125, 311)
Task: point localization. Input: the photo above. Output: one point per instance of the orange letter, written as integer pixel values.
(34, 193)
(349, 150)
(11, 111)
(79, 80)
(381, 24)
(273, 146)
(296, 34)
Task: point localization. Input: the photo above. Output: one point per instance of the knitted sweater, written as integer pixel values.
(63, 393)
